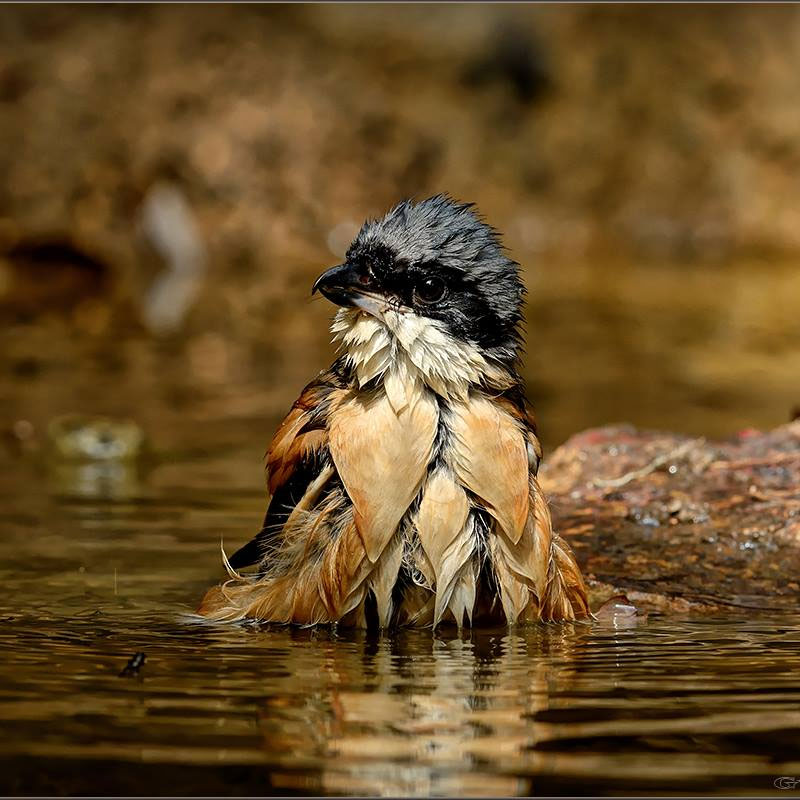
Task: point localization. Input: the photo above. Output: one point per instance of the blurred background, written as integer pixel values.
(173, 178)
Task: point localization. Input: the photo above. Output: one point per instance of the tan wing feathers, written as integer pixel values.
(538, 577)
(333, 551)
(491, 460)
(441, 517)
(566, 593)
(382, 458)
(384, 577)
(529, 557)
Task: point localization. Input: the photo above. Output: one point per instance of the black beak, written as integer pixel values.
(339, 284)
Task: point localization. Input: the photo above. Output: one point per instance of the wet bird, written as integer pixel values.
(403, 480)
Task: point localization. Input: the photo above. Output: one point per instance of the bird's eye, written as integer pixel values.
(430, 290)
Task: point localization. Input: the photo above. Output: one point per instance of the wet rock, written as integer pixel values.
(680, 524)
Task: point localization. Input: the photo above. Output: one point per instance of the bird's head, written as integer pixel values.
(435, 278)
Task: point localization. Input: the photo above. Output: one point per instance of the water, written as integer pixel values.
(101, 562)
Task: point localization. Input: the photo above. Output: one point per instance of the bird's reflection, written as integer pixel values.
(414, 715)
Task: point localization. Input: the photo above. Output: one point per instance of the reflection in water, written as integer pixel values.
(96, 479)
(530, 712)
(414, 715)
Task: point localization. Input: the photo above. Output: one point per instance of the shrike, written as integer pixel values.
(403, 479)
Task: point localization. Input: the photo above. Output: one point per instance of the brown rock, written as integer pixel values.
(680, 524)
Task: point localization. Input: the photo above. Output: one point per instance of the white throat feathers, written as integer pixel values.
(408, 352)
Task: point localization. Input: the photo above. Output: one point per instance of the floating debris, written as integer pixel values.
(76, 437)
(135, 663)
(618, 606)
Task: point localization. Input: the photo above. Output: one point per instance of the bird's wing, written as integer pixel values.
(296, 458)
(497, 459)
(491, 461)
(382, 456)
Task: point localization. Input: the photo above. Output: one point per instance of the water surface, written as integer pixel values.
(99, 562)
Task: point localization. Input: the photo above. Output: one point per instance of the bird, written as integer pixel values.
(403, 480)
